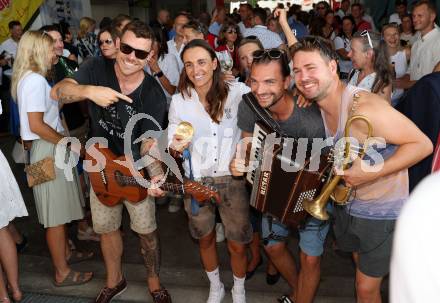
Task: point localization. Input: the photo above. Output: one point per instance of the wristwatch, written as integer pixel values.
(158, 74)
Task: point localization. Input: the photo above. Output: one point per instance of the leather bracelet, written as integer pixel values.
(158, 74)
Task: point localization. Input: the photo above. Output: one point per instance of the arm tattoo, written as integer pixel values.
(65, 98)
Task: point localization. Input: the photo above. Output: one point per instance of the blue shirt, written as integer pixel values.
(214, 28)
(267, 38)
(299, 29)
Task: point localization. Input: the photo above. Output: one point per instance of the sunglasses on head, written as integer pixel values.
(127, 49)
(272, 53)
(108, 42)
(366, 34)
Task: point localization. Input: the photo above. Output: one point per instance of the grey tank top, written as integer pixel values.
(383, 198)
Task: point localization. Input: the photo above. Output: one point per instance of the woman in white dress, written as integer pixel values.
(11, 206)
(398, 56)
(370, 62)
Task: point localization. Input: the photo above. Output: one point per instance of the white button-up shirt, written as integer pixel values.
(213, 145)
(268, 38)
(10, 46)
(172, 49)
(170, 68)
(425, 54)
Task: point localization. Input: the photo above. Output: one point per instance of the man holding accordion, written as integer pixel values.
(269, 81)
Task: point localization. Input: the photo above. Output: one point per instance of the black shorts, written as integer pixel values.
(371, 239)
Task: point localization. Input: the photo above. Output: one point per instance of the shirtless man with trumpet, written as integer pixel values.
(365, 225)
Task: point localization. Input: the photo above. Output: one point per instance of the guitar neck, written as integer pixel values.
(173, 187)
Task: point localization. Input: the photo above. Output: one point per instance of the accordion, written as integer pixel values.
(279, 183)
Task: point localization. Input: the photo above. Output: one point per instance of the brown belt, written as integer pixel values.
(216, 180)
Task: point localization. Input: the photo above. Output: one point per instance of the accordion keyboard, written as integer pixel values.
(258, 137)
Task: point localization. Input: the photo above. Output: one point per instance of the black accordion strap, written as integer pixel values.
(262, 113)
(272, 235)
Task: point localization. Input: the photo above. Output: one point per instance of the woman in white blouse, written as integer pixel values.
(370, 62)
(57, 201)
(210, 104)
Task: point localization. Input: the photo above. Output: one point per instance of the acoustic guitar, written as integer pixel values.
(113, 182)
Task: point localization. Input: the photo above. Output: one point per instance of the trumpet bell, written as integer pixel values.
(316, 209)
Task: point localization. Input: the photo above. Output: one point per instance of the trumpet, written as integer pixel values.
(340, 193)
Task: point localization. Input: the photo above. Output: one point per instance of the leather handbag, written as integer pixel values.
(41, 171)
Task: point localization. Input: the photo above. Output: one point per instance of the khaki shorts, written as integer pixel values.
(107, 219)
(233, 209)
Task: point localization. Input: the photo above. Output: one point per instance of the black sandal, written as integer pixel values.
(285, 299)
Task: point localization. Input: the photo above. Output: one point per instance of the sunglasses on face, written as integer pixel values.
(271, 53)
(108, 42)
(127, 49)
(231, 31)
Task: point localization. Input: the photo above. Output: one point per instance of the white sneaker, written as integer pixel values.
(238, 297)
(219, 232)
(216, 295)
(175, 205)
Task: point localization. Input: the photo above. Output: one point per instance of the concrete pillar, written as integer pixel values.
(139, 12)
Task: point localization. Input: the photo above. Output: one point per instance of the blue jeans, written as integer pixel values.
(311, 236)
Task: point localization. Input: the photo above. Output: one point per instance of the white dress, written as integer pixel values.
(11, 200)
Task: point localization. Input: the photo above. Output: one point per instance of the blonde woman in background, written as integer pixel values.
(57, 201)
(87, 42)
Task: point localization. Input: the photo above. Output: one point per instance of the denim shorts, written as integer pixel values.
(311, 236)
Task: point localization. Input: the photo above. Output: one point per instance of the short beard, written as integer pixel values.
(322, 94)
(276, 100)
